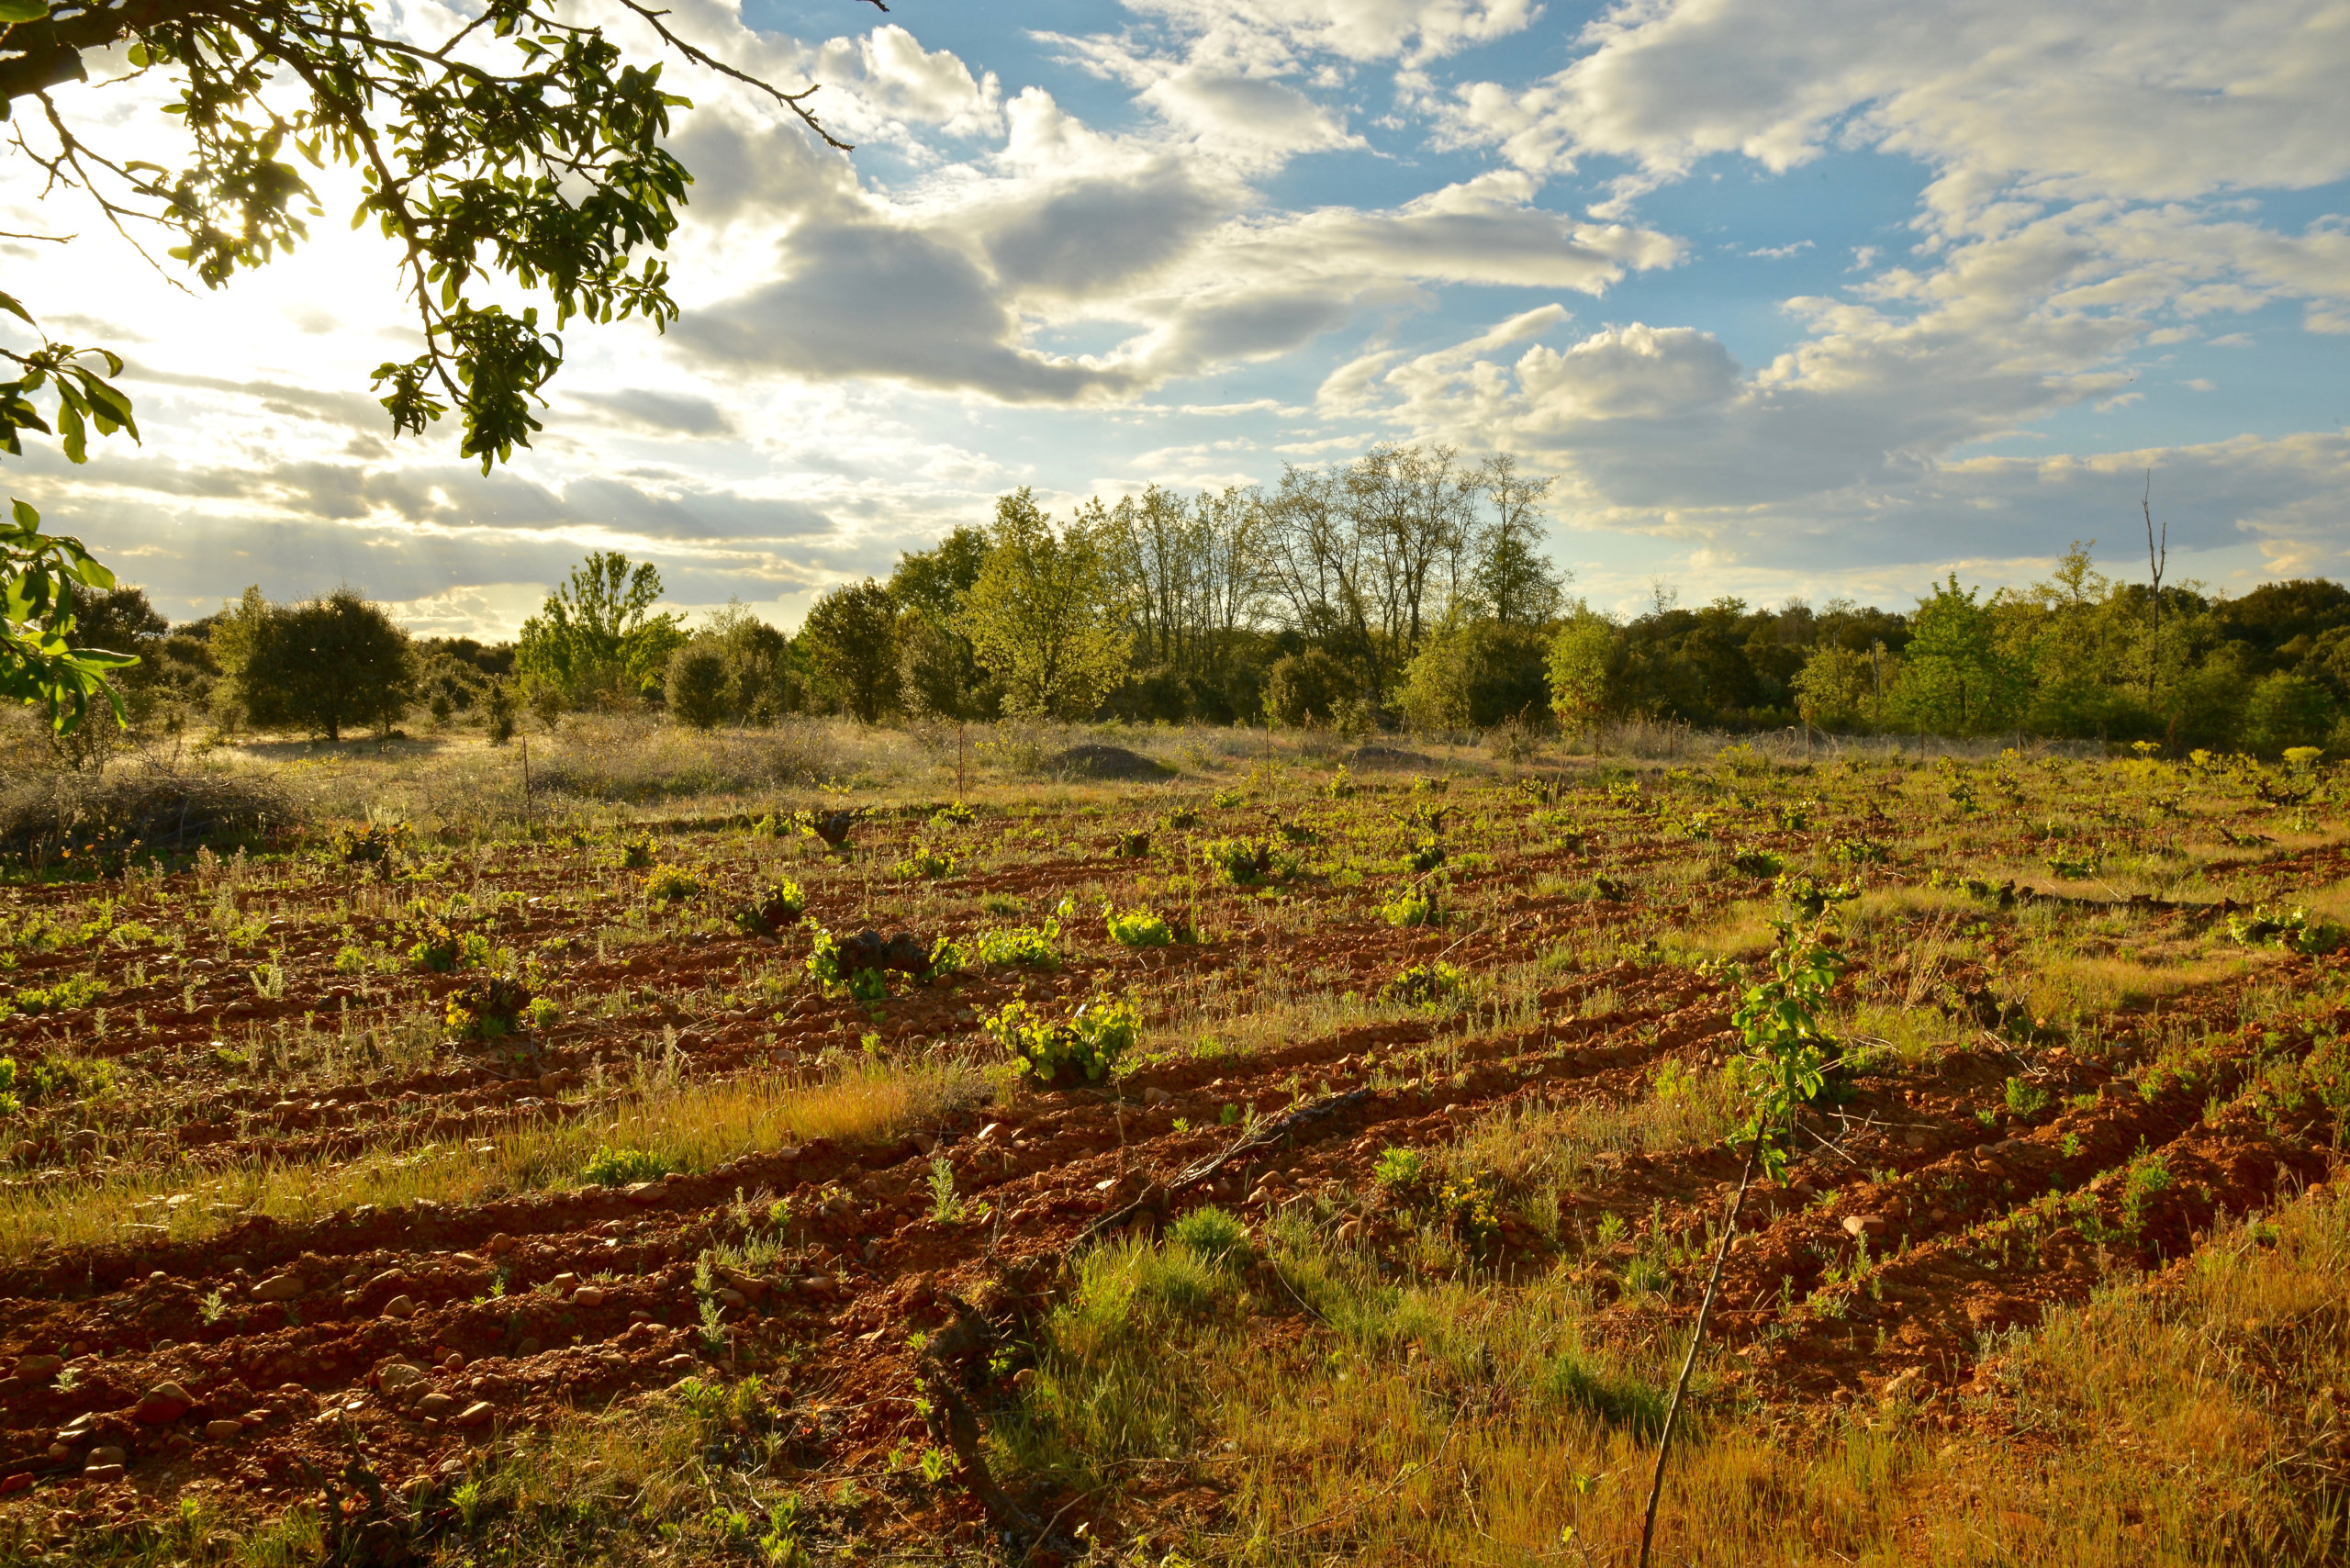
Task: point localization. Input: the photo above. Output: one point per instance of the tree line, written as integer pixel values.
(1403, 587)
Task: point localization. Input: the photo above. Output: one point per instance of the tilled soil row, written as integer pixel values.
(612, 1273)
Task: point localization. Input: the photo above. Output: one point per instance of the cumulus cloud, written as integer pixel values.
(995, 289)
(1416, 31)
(2147, 102)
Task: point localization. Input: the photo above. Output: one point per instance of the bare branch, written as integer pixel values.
(792, 101)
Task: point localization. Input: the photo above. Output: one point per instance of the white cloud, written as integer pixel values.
(2147, 102)
(1416, 31)
(873, 346)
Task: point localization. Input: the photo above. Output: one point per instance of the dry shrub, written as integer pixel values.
(626, 762)
(165, 810)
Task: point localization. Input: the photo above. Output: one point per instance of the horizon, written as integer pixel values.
(1793, 306)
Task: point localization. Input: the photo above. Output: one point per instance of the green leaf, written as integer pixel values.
(69, 430)
(14, 11)
(8, 303)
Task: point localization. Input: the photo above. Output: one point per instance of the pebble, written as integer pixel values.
(108, 1454)
(39, 1369)
(278, 1287)
(164, 1404)
(100, 1474)
(223, 1430)
(473, 1414)
(397, 1375)
(501, 1245)
(588, 1295)
(436, 1404)
(1863, 1225)
(1156, 1096)
(400, 1306)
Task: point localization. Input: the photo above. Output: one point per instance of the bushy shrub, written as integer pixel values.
(489, 1009)
(925, 863)
(1310, 686)
(1424, 985)
(1413, 904)
(1031, 946)
(444, 950)
(377, 843)
(2290, 928)
(1088, 1044)
(671, 883)
(1242, 862)
(1138, 928)
(1808, 898)
(771, 908)
(695, 688)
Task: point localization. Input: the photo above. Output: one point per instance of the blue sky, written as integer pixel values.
(1810, 297)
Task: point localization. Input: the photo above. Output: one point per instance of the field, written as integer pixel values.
(517, 1191)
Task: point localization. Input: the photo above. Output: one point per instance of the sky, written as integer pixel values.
(1789, 297)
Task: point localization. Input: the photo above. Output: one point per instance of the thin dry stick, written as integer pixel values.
(1680, 1384)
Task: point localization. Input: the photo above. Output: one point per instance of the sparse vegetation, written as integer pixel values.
(1483, 1154)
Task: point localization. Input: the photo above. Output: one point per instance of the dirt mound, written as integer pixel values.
(1108, 762)
(1388, 757)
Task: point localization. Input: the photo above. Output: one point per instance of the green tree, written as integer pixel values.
(322, 665)
(1583, 663)
(695, 688)
(2287, 710)
(1844, 689)
(938, 669)
(1310, 686)
(1043, 616)
(1475, 674)
(851, 637)
(526, 151)
(596, 639)
(1956, 679)
(762, 677)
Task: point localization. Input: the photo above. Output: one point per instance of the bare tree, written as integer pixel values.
(1318, 561)
(1519, 586)
(1413, 507)
(2156, 560)
(1230, 530)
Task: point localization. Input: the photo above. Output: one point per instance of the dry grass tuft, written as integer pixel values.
(696, 1127)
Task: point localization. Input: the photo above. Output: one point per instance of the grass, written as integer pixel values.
(690, 1127)
(1342, 1413)
(1267, 1393)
